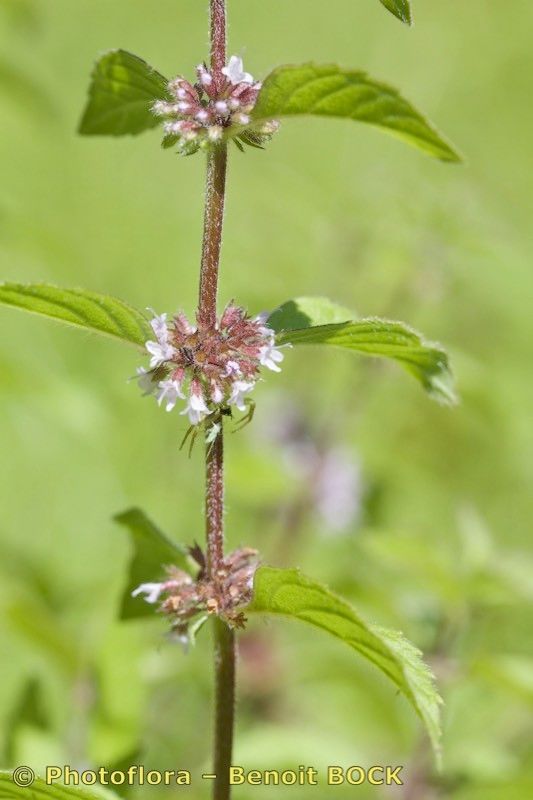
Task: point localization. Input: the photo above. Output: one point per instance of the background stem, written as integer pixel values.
(225, 706)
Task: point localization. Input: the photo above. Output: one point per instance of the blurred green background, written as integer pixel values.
(418, 514)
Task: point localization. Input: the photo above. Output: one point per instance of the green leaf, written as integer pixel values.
(295, 322)
(329, 91)
(304, 312)
(288, 593)
(400, 9)
(122, 91)
(152, 550)
(40, 790)
(98, 313)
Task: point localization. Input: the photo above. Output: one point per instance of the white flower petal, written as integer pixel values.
(159, 326)
(270, 356)
(262, 318)
(234, 71)
(152, 591)
(238, 391)
(170, 391)
(217, 395)
(196, 408)
(160, 353)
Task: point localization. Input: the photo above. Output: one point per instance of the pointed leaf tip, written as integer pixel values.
(327, 90)
(122, 91)
(400, 8)
(288, 593)
(318, 321)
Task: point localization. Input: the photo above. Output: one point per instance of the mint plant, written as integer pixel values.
(209, 366)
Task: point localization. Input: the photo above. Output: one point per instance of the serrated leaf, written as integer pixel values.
(121, 94)
(327, 90)
(152, 550)
(94, 312)
(40, 790)
(373, 337)
(400, 9)
(287, 593)
(304, 312)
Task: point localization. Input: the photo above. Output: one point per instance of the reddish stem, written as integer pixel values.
(215, 184)
(215, 189)
(218, 35)
(214, 503)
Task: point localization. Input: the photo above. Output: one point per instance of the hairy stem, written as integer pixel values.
(218, 35)
(215, 190)
(215, 184)
(214, 504)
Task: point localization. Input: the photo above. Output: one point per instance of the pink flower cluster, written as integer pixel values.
(210, 368)
(198, 116)
(183, 598)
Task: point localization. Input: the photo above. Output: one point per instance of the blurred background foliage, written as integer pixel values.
(420, 515)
